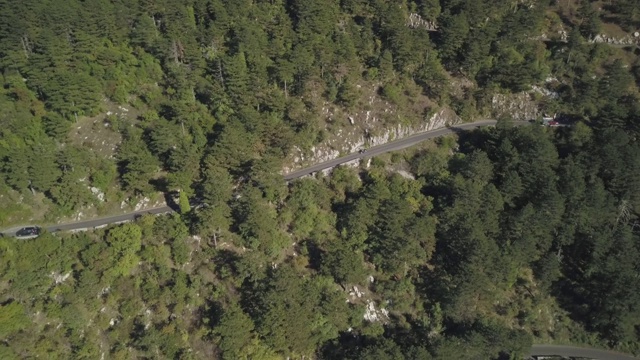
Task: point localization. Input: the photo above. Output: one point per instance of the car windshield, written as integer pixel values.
(27, 231)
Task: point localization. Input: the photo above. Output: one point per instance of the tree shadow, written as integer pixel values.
(170, 200)
(226, 263)
(315, 254)
(170, 196)
(213, 312)
(160, 184)
(470, 140)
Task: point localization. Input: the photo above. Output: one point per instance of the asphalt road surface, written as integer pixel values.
(107, 220)
(536, 350)
(376, 150)
(392, 146)
(93, 223)
(574, 351)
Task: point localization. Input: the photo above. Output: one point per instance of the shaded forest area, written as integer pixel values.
(505, 236)
(237, 84)
(522, 235)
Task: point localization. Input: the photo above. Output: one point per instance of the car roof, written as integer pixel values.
(29, 229)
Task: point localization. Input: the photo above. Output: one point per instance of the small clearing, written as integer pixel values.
(96, 133)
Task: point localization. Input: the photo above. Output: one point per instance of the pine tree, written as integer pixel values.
(236, 77)
(44, 172)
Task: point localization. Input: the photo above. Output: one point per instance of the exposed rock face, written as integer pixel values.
(416, 21)
(354, 131)
(627, 40)
(372, 314)
(439, 120)
(59, 278)
(516, 106)
(368, 131)
(544, 91)
(97, 193)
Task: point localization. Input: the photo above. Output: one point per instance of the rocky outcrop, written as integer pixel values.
(626, 40)
(416, 21)
(380, 123)
(373, 314)
(520, 106)
(367, 131)
(438, 120)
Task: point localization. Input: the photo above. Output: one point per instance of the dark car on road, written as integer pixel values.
(28, 232)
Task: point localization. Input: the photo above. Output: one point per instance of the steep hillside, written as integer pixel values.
(279, 83)
(471, 247)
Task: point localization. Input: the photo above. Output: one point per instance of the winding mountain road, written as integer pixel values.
(97, 222)
(376, 150)
(536, 350)
(578, 352)
(393, 146)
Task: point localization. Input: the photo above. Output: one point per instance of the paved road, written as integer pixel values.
(376, 150)
(392, 146)
(99, 222)
(536, 350)
(574, 351)
(87, 224)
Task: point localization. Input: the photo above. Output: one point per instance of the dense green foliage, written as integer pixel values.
(238, 84)
(471, 252)
(509, 236)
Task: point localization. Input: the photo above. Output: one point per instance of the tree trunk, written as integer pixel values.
(174, 51)
(25, 45)
(286, 95)
(220, 76)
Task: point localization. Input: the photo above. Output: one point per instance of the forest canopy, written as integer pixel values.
(474, 246)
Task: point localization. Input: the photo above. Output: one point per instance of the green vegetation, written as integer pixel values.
(505, 237)
(523, 234)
